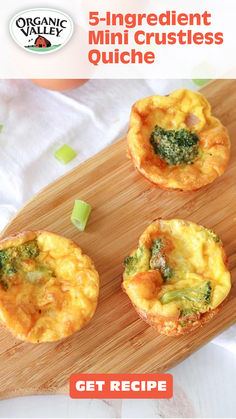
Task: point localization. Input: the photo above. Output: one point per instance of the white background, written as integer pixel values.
(174, 61)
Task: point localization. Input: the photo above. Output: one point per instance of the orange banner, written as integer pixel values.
(121, 386)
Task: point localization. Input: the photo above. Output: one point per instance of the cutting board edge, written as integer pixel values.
(64, 390)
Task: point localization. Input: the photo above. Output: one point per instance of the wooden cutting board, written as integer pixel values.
(124, 203)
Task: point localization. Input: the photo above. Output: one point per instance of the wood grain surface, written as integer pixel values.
(124, 204)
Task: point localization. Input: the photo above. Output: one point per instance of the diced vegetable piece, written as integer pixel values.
(65, 154)
(40, 273)
(1, 127)
(34, 276)
(201, 82)
(80, 214)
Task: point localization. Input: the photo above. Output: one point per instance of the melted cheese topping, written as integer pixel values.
(57, 305)
(181, 109)
(194, 254)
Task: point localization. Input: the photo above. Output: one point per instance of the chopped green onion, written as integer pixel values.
(201, 82)
(1, 127)
(80, 214)
(65, 154)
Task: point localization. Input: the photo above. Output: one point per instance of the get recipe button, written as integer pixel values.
(121, 386)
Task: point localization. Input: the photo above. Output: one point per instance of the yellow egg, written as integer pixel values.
(170, 164)
(195, 278)
(48, 287)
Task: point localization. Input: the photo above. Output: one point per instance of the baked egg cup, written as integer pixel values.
(48, 287)
(176, 143)
(177, 278)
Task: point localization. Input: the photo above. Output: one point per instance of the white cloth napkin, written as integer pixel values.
(36, 122)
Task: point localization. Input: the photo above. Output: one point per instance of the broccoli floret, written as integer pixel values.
(139, 262)
(29, 250)
(156, 247)
(10, 259)
(187, 311)
(5, 256)
(7, 266)
(196, 298)
(130, 264)
(175, 147)
(12, 269)
(158, 259)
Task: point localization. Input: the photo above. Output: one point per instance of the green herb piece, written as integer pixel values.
(80, 214)
(214, 236)
(175, 147)
(65, 154)
(1, 127)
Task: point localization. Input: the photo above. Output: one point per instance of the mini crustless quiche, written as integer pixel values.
(176, 143)
(177, 278)
(48, 287)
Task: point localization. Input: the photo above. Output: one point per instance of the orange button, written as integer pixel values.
(121, 386)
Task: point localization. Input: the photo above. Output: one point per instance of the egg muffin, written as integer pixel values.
(176, 143)
(48, 287)
(177, 278)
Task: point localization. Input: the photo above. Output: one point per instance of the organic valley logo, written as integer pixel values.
(41, 30)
